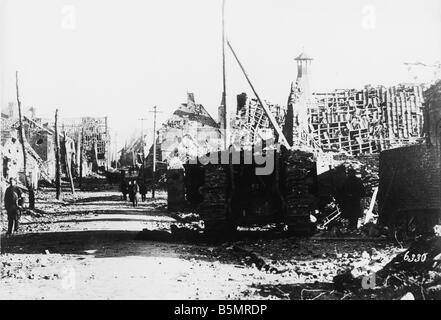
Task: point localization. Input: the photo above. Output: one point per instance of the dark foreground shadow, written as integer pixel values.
(99, 243)
(113, 243)
(111, 198)
(197, 236)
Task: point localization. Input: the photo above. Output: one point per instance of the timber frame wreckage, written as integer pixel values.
(353, 121)
(84, 147)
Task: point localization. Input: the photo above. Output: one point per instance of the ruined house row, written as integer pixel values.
(363, 121)
(356, 122)
(39, 136)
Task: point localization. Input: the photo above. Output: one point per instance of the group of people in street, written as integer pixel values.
(133, 190)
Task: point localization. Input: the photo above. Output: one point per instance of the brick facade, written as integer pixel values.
(410, 181)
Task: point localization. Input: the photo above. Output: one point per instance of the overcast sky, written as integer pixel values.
(120, 58)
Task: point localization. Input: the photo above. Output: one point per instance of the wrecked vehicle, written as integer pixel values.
(248, 188)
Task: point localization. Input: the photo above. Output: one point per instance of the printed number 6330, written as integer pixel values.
(415, 258)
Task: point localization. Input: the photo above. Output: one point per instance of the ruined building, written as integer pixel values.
(354, 121)
(42, 141)
(190, 130)
(131, 153)
(300, 98)
(92, 133)
(39, 147)
(351, 121)
(12, 160)
(12, 152)
(251, 124)
(84, 136)
(410, 176)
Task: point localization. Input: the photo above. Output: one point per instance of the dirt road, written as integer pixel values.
(86, 248)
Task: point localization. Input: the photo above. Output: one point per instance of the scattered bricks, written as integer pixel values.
(434, 292)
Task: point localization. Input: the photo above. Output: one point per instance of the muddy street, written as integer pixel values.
(88, 247)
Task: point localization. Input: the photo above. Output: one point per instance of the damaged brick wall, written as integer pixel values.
(43, 144)
(432, 126)
(410, 181)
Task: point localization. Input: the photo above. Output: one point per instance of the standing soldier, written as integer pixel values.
(143, 190)
(134, 193)
(123, 189)
(13, 205)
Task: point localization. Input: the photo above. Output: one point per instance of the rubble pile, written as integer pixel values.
(249, 257)
(366, 166)
(416, 270)
(33, 268)
(330, 192)
(433, 94)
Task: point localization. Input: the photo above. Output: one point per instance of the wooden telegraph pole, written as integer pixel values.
(142, 143)
(57, 159)
(155, 111)
(81, 157)
(116, 150)
(224, 123)
(29, 186)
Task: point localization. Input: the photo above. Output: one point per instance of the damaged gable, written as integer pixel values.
(193, 112)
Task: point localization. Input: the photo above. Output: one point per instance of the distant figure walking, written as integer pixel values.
(13, 204)
(124, 189)
(134, 194)
(143, 190)
(352, 192)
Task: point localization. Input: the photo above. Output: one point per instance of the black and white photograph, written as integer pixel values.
(232, 152)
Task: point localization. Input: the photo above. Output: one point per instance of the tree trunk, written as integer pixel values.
(68, 164)
(22, 141)
(57, 159)
(95, 165)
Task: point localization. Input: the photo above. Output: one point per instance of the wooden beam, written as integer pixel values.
(268, 112)
(370, 211)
